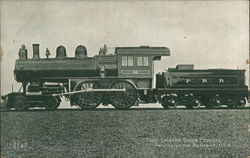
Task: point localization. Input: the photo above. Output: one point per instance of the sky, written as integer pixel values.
(208, 34)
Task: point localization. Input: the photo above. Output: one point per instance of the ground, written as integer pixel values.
(143, 132)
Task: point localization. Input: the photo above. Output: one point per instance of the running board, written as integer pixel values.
(91, 90)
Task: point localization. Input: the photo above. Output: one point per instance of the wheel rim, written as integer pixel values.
(169, 102)
(88, 100)
(123, 100)
(215, 102)
(19, 103)
(241, 102)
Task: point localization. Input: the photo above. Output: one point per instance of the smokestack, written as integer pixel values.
(35, 51)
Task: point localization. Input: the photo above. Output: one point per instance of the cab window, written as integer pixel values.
(142, 61)
(127, 61)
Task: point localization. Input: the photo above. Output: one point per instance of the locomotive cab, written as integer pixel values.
(137, 63)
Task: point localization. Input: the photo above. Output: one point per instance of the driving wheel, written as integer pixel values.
(123, 99)
(88, 99)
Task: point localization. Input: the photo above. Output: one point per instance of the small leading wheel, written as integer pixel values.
(19, 103)
(51, 103)
(123, 99)
(169, 102)
(215, 102)
(89, 99)
(240, 102)
(195, 102)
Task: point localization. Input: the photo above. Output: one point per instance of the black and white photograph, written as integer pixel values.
(124, 79)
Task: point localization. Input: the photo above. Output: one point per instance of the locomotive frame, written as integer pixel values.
(123, 79)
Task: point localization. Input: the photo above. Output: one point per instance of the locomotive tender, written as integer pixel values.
(123, 79)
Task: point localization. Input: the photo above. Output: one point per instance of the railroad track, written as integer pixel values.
(131, 109)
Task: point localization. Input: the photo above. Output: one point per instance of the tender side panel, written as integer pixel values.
(227, 78)
(202, 82)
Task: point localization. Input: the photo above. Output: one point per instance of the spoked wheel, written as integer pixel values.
(240, 102)
(195, 102)
(51, 103)
(88, 99)
(20, 103)
(169, 102)
(123, 99)
(215, 102)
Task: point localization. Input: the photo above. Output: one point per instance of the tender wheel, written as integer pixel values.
(19, 103)
(123, 99)
(89, 99)
(195, 102)
(51, 103)
(230, 101)
(240, 102)
(215, 102)
(169, 102)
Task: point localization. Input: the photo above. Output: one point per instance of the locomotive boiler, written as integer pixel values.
(123, 79)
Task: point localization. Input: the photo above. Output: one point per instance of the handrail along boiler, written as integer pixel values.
(123, 79)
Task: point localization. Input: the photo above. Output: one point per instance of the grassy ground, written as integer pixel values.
(130, 133)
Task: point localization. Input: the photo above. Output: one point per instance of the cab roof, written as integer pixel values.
(143, 50)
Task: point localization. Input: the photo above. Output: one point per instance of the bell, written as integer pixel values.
(47, 53)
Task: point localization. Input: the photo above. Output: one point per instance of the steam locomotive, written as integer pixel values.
(123, 79)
